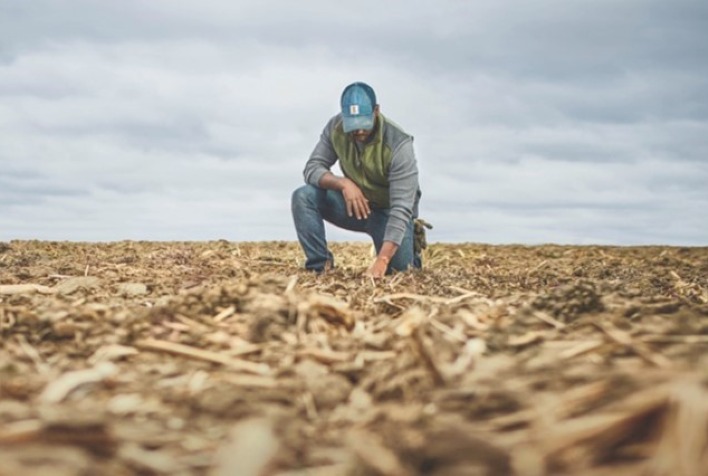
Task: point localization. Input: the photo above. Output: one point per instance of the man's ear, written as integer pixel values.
(376, 110)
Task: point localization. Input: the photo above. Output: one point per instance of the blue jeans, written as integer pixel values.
(311, 206)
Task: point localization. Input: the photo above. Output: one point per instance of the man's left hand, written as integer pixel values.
(378, 268)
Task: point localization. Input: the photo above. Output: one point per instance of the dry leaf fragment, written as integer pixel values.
(126, 403)
(111, 352)
(638, 347)
(228, 312)
(20, 432)
(471, 319)
(372, 355)
(328, 308)
(60, 388)
(71, 285)
(409, 321)
(249, 451)
(199, 354)
(326, 356)
(548, 319)
(682, 449)
(471, 352)
(580, 348)
(132, 289)
(526, 339)
(426, 354)
(255, 381)
(580, 441)
(25, 289)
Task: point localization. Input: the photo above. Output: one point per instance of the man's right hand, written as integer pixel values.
(357, 203)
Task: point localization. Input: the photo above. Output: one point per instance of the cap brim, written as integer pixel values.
(355, 123)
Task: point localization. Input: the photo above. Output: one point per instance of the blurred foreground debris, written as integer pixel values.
(227, 358)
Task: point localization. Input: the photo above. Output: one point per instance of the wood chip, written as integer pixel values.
(199, 354)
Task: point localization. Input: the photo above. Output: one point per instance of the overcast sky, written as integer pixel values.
(548, 121)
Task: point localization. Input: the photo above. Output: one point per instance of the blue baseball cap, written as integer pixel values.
(358, 103)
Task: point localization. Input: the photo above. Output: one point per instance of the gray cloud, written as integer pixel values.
(549, 121)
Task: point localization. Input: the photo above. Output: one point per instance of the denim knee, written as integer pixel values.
(303, 196)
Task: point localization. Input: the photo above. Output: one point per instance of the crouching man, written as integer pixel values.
(378, 193)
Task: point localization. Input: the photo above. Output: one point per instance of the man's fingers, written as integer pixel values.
(354, 207)
(362, 210)
(358, 207)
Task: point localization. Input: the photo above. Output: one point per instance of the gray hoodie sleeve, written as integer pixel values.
(323, 156)
(403, 191)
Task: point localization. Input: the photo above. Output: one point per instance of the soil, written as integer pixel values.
(221, 358)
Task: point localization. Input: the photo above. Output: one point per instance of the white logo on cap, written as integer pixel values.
(354, 109)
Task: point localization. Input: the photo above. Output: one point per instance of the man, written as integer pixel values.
(377, 195)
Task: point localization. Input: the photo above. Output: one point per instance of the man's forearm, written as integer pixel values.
(388, 249)
(330, 181)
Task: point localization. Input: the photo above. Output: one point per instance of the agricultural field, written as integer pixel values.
(227, 358)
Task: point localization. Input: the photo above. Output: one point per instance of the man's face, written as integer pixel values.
(363, 135)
